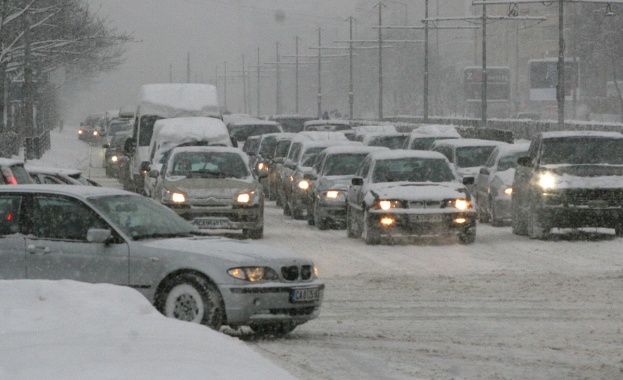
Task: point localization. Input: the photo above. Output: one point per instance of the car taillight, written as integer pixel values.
(9, 177)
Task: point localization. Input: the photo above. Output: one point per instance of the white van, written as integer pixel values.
(182, 131)
(164, 101)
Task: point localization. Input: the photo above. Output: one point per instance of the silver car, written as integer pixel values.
(105, 235)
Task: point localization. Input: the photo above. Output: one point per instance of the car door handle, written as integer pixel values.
(34, 249)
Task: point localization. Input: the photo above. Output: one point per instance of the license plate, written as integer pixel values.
(305, 295)
(425, 218)
(211, 222)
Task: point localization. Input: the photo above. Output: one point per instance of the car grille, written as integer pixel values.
(586, 197)
(425, 204)
(292, 272)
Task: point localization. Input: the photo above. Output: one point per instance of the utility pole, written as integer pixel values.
(258, 82)
(225, 85)
(244, 85)
(483, 102)
(381, 5)
(351, 94)
(188, 68)
(426, 63)
(319, 95)
(29, 119)
(278, 110)
(296, 77)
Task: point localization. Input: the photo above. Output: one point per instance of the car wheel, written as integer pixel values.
(275, 328)
(310, 214)
(318, 221)
(536, 228)
(192, 298)
(253, 233)
(278, 200)
(468, 237)
(519, 226)
(297, 213)
(371, 235)
(352, 230)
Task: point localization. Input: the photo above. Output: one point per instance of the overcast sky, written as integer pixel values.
(214, 32)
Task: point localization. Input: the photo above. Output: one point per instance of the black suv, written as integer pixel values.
(12, 172)
(569, 180)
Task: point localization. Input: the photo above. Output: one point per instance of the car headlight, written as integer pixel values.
(460, 203)
(114, 158)
(95, 133)
(303, 184)
(247, 198)
(261, 166)
(548, 181)
(80, 132)
(386, 204)
(173, 196)
(333, 195)
(253, 274)
(507, 190)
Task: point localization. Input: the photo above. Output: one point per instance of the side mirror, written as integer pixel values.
(468, 181)
(144, 167)
(153, 173)
(96, 235)
(357, 181)
(524, 161)
(484, 171)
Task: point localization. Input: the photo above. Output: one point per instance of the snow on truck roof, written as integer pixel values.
(436, 130)
(559, 134)
(177, 99)
(468, 142)
(400, 153)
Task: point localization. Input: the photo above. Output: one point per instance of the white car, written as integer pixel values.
(58, 176)
(105, 235)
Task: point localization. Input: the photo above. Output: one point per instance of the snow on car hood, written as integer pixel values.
(506, 176)
(204, 188)
(586, 176)
(416, 191)
(231, 250)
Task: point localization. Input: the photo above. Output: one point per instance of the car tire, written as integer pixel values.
(371, 235)
(518, 224)
(536, 228)
(274, 328)
(318, 221)
(253, 233)
(352, 229)
(191, 297)
(468, 237)
(297, 213)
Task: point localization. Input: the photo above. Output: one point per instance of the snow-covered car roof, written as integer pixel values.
(320, 135)
(10, 161)
(504, 150)
(345, 149)
(52, 170)
(375, 128)
(327, 122)
(223, 149)
(559, 134)
(245, 122)
(400, 153)
(434, 130)
(458, 143)
(175, 99)
(79, 191)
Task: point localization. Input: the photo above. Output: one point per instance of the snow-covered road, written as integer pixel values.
(506, 307)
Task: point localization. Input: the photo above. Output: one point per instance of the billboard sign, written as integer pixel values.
(544, 78)
(498, 83)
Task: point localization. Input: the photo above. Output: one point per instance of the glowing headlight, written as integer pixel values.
(303, 185)
(387, 204)
(547, 181)
(80, 132)
(508, 191)
(243, 198)
(253, 274)
(332, 194)
(462, 204)
(114, 158)
(173, 196)
(261, 166)
(95, 133)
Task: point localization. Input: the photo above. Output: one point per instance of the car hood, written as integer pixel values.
(416, 191)
(505, 177)
(232, 252)
(335, 182)
(210, 187)
(468, 172)
(586, 176)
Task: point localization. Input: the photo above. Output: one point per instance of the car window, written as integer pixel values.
(209, 165)
(294, 151)
(281, 150)
(343, 164)
(61, 218)
(471, 156)
(21, 175)
(10, 206)
(320, 159)
(412, 169)
(492, 157)
(509, 162)
(140, 217)
(582, 150)
(364, 169)
(446, 151)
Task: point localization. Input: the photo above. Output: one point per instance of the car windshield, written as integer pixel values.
(582, 150)
(242, 132)
(412, 169)
(141, 217)
(472, 156)
(343, 164)
(309, 156)
(208, 165)
(509, 162)
(391, 142)
(267, 145)
(118, 127)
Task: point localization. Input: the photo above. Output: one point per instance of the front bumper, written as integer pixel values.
(334, 212)
(226, 217)
(270, 303)
(423, 224)
(578, 217)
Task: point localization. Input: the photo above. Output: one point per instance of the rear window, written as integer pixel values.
(21, 175)
(9, 214)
